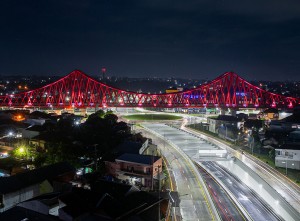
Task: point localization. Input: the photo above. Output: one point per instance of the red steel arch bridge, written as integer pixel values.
(78, 90)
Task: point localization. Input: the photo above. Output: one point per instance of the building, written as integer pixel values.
(46, 204)
(288, 156)
(104, 201)
(225, 126)
(27, 185)
(32, 131)
(140, 170)
(222, 120)
(286, 130)
(269, 114)
(172, 90)
(87, 205)
(131, 147)
(18, 213)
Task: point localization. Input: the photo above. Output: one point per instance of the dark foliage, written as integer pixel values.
(93, 139)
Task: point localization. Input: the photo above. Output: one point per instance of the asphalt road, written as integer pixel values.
(190, 144)
(254, 205)
(289, 190)
(227, 208)
(285, 187)
(193, 203)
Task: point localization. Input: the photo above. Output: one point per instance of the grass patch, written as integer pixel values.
(152, 117)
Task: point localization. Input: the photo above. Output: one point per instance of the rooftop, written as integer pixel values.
(129, 147)
(22, 180)
(270, 110)
(38, 128)
(290, 146)
(226, 118)
(114, 189)
(136, 158)
(295, 118)
(18, 214)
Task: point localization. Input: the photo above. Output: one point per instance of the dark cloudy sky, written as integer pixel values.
(258, 39)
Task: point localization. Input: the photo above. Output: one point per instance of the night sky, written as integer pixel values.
(258, 39)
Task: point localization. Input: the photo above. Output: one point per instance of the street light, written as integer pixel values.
(285, 167)
(251, 142)
(22, 152)
(10, 135)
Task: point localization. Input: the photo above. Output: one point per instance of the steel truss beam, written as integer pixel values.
(81, 91)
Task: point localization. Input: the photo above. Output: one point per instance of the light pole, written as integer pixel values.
(224, 125)
(164, 142)
(251, 142)
(10, 134)
(158, 176)
(285, 167)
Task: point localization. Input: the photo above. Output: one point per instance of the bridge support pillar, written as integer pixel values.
(222, 112)
(233, 112)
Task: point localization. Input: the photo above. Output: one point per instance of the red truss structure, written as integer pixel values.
(81, 91)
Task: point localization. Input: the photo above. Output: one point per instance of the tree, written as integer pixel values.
(100, 113)
(111, 119)
(40, 159)
(24, 151)
(272, 154)
(95, 138)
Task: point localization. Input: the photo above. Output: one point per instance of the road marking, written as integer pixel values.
(188, 164)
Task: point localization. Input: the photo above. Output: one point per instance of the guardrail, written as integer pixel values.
(285, 204)
(235, 200)
(205, 193)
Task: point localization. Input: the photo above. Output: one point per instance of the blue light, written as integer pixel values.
(240, 94)
(192, 96)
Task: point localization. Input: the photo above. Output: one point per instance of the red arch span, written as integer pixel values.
(79, 90)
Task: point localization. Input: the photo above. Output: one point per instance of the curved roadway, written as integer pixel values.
(227, 208)
(190, 144)
(194, 204)
(285, 187)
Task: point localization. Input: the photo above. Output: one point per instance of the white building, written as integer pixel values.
(288, 158)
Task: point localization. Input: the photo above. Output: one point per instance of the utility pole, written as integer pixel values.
(158, 176)
(152, 171)
(285, 167)
(252, 143)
